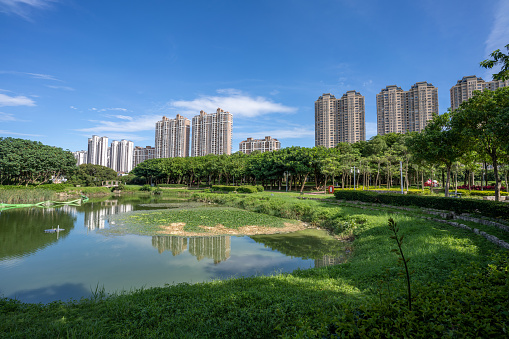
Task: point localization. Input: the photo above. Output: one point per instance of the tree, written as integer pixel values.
(499, 58)
(483, 122)
(93, 175)
(29, 162)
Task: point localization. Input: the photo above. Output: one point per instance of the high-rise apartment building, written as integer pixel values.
(463, 90)
(422, 102)
(121, 156)
(141, 154)
(262, 145)
(81, 157)
(339, 120)
(98, 150)
(172, 137)
(400, 111)
(350, 122)
(496, 84)
(212, 133)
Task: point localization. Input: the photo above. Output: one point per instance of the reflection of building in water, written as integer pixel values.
(69, 209)
(217, 247)
(95, 218)
(328, 260)
(176, 245)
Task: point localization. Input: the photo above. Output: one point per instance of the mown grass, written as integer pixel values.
(460, 286)
(151, 222)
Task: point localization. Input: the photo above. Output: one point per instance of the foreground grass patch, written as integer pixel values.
(153, 222)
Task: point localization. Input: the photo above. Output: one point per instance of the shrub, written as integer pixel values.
(494, 209)
(146, 188)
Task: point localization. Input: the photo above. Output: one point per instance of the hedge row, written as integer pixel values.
(240, 189)
(172, 185)
(494, 209)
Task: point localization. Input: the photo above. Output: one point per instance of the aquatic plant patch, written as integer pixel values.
(199, 219)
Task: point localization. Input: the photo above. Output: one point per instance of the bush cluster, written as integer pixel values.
(494, 209)
(329, 218)
(239, 189)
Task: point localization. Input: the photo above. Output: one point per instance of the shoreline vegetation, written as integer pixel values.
(460, 286)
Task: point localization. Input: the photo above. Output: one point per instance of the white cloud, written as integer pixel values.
(20, 100)
(32, 75)
(290, 133)
(65, 88)
(235, 102)
(112, 109)
(6, 117)
(367, 83)
(4, 132)
(72, 107)
(137, 124)
(123, 117)
(23, 7)
(497, 38)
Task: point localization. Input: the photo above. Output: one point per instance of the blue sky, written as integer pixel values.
(70, 69)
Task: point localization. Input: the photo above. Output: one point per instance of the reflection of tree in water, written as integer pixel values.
(215, 247)
(307, 245)
(22, 230)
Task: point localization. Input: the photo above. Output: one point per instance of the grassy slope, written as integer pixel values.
(345, 298)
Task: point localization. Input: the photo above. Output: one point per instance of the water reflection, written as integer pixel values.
(95, 218)
(22, 230)
(217, 248)
(307, 244)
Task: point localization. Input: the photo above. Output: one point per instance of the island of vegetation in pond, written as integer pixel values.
(200, 221)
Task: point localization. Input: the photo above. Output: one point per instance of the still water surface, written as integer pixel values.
(41, 267)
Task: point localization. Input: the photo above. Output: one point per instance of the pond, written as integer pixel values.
(84, 257)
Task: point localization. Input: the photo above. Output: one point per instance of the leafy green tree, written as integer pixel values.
(31, 162)
(439, 143)
(499, 58)
(483, 122)
(93, 175)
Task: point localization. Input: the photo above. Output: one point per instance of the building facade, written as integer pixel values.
(399, 111)
(172, 137)
(81, 157)
(97, 151)
(339, 120)
(121, 156)
(464, 88)
(141, 154)
(350, 123)
(212, 133)
(263, 145)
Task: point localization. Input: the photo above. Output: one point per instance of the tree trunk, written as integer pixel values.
(497, 180)
(448, 180)
(303, 183)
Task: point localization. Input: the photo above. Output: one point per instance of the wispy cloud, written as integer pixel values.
(123, 117)
(113, 109)
(290, 133)
(32, 75)
(4, 132)
(136, 124)
(497, 38)
(7, 117)
(234, 101)
(23, 8)
(20, 100)
(65, 88)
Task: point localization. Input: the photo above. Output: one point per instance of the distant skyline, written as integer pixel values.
(72, 69)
